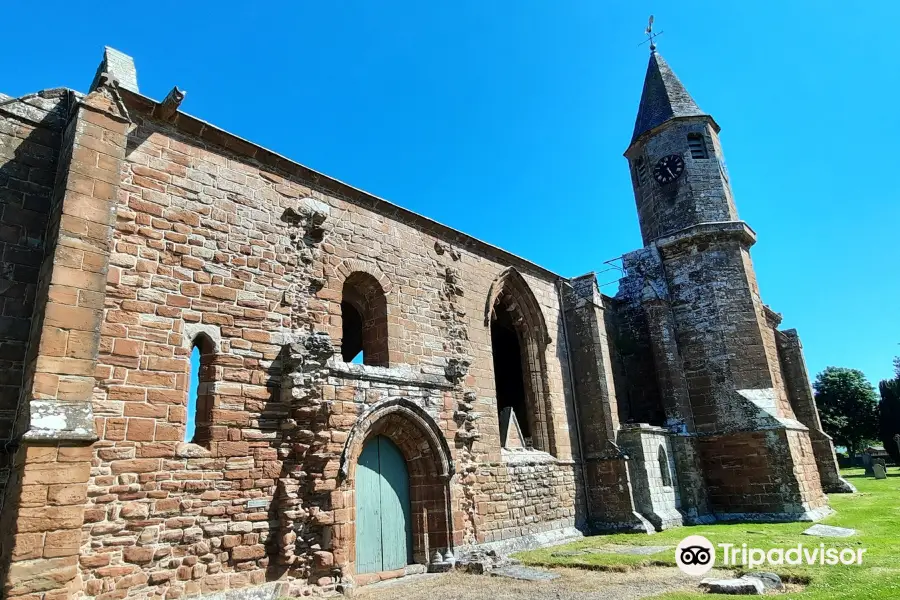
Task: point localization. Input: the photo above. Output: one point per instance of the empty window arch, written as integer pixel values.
(200, 397)
(663, 459)
(519, 340)
(364, 323)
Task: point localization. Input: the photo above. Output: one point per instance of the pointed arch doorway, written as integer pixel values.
(383, 523)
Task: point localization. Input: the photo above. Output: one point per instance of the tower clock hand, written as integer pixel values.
(671, 174)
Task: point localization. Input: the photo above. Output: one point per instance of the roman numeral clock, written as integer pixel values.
(668, 169)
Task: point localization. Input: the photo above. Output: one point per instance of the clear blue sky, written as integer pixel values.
(508, 119)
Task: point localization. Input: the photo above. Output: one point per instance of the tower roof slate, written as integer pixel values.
(664, 97)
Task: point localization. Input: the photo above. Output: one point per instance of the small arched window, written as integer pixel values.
(640, 170)
(663, 459)
(200, 397)
(364, 323)
(697, 145)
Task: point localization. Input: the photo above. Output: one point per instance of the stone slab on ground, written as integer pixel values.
(829, 531)
(771, 581)
(615, 549)
(524, 573)
(745, 586)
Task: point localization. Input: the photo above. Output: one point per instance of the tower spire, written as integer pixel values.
(664, 97)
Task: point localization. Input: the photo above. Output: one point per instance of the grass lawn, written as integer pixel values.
(874, 512)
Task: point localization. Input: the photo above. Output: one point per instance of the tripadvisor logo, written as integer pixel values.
(696, 555)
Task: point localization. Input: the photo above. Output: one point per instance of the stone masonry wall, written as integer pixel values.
(640, 399)
(44, 504)
(734, 387)
(796, 377)
(525, 493)
(722, 350)
(755, 472)
(701, 195)
(655, 482)
(205, 242)
(30, 137)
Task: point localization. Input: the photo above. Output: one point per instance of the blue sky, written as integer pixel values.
(508, 120)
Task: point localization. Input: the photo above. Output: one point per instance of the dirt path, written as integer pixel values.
(573, 584)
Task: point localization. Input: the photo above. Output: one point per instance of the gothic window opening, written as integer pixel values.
(519, 341)
(663, 459)
(200, 399)
(697, 145)
(364, 331)
(508, 376)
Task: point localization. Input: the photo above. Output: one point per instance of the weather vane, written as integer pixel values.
(651, 36)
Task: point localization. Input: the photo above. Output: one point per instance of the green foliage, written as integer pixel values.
(848, 407)
(889, 417)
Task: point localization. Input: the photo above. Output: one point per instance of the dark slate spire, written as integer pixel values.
(663, 98)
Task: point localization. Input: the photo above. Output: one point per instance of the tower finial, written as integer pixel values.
(651, 37)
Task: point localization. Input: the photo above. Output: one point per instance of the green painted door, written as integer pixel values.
(383, 526)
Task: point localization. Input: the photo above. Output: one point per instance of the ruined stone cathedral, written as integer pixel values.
(371, 393)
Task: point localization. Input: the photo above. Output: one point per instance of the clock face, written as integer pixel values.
(668, 169)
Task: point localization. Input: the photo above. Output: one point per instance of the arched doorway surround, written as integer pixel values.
(430, 467)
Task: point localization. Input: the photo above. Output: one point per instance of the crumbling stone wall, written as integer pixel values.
(208, 240)
(156, 230)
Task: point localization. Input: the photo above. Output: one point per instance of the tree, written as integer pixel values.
(848, 407)
(889, 416)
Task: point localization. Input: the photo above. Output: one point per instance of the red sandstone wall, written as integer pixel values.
(200, 243)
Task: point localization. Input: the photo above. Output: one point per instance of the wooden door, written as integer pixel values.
(383, 525)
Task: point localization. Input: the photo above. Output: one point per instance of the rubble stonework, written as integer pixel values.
(133, 233)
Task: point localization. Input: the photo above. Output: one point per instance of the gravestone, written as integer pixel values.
(867, 463)
(879, 472)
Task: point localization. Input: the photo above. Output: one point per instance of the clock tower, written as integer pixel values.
(677, 165)
(690, 297)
